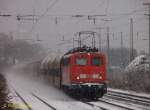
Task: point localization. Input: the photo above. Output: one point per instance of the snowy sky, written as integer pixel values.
(118, 11)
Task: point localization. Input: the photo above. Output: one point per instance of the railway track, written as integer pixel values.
(118, 98)
(123, 101)
(125, 106)
(93, 105)
(137, 96)
(129, 98)
(41, 100)
(23, 100)
(53, 108)
(44, 102)
(109, 103)
(117, 105)
(120, 101)
(132, 95)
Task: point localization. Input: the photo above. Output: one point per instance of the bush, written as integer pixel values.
(4, 99)
(3, 92)
(134, 80)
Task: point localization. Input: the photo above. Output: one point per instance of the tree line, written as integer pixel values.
(18, 50)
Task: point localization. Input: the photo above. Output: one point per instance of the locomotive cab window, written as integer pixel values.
(96, 61)
(81, 61)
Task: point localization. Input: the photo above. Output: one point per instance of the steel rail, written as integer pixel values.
(40, 99)
(23, 100)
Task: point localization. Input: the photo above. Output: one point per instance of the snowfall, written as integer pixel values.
(27, 85)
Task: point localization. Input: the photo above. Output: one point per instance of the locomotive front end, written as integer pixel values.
(88, 76)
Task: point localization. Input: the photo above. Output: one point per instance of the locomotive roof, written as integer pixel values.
(82, 49)
(75, 53)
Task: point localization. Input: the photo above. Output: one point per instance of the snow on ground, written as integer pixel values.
(25, 85)
(17, 102)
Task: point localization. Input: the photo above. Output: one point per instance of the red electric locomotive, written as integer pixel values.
(83, 72)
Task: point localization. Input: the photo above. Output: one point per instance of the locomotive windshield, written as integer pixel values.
(81, 61)
(96, 61)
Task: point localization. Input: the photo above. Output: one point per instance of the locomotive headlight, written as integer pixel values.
(78, 77)
(100, 76)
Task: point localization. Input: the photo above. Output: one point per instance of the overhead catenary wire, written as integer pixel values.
(42, 15)
(63, 15)
(125, 24)
(119, 16)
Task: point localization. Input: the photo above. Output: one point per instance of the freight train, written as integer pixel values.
(80, 72)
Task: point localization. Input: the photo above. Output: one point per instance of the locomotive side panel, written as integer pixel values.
(66, 76)
(65, 71)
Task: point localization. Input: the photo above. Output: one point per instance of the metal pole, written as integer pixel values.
(100, 48)
(79, 39)
(100, 37)
(149, 30)
(113, 36)
(94, 39)
(108, 47)
(73, 42)
(92, 42)
(149, 35)
(131, 40)
(121, 43)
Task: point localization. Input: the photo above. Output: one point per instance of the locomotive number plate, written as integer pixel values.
(89, 75)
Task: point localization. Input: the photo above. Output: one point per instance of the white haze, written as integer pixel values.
(51, 34)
